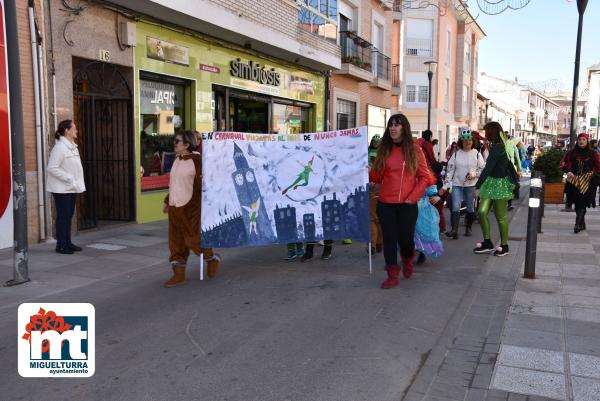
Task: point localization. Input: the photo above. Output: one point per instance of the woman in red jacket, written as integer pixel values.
(401, 169)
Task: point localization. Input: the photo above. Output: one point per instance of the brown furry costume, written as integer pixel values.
(184, 229)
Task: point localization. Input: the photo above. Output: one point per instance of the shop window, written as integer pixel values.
(161, 115)
(288, 119)
(346, 114)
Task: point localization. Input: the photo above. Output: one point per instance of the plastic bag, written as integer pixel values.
(427, 231)
(428, 221)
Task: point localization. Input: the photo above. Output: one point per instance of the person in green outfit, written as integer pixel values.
(303, 176)
(495, 185)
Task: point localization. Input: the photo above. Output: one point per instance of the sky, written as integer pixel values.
(537, 43)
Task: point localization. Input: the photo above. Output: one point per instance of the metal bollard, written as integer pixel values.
(543, 177)
(533, 218)
(541, 213)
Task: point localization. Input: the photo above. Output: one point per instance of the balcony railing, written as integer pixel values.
(395, 75)
(419, 47)
(382, 65)
(398, 4)
(356, 50)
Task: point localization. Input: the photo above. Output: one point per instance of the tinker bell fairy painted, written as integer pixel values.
(253, 215)
(303, 176)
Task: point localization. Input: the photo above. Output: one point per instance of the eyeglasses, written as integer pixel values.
(177, 141)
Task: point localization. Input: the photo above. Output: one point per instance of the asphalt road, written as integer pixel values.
(264, 329)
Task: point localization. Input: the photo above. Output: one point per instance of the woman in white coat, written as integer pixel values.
(65, 181)
(464, 167)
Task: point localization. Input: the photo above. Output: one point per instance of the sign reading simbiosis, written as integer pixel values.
(255, 72)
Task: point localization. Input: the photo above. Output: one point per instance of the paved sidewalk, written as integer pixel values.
(460, 366)
(551, 342)
(108, 253)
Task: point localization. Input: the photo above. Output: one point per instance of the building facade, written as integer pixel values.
(487, 111)
(131, 88)
(592, 108)
(535, 114)
(30, 26)
(130, 74)
(443, 32)
(563, 126)
(361, 88)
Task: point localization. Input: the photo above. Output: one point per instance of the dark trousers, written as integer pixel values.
(398, 223)
(65, 208)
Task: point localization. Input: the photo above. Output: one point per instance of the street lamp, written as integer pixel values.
(581, 5)
(431, 65)
(487, 104)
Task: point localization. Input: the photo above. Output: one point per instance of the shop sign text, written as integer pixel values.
(255, 72)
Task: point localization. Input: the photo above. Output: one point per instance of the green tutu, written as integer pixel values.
(497, 189)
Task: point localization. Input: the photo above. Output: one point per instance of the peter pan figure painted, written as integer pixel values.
(303, 176)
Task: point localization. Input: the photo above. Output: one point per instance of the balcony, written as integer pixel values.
(397, 10)
(396, 89)
(357, 57)
(418, 47)
(546, 123)
(387, 5)
(381, 71)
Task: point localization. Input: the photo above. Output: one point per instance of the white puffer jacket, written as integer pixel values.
(65, 172)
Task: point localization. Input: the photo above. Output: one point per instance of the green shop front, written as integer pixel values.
(184, 82)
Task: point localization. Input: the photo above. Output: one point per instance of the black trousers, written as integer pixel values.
(398, 223)
(65, 208)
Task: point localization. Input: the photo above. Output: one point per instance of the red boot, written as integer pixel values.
(407, 266)
(393, 272)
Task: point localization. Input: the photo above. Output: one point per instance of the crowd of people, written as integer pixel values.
(409, 180)
(409, 189)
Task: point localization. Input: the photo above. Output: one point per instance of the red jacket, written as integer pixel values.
(398, 183)
(427, 148)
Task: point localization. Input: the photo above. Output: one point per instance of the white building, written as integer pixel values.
(592, 112)
(535, 115)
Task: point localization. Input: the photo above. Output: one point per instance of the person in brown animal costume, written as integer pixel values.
(182, 204)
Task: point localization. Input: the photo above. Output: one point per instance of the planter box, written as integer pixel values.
(554, 192)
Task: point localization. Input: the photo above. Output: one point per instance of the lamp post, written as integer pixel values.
(581, 5)
(431, 65)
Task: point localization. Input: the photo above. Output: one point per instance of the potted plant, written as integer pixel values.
(549, 164)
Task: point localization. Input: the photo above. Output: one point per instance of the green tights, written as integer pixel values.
(500, 206)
